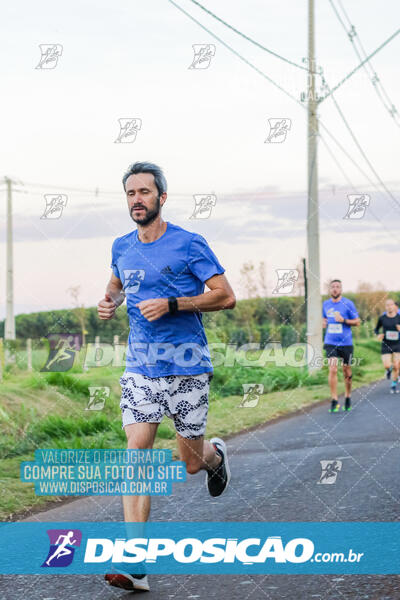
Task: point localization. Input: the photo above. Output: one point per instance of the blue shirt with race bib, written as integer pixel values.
(176, 264)
(339, 334)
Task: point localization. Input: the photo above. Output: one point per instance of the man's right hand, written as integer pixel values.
(324, 322)
(381, 337)
(106, 308)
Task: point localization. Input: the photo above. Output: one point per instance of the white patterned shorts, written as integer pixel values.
(183, 398)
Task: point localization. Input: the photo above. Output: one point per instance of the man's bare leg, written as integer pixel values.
(396, 365)
(197, 454)
(200, 454)
(387, 363)
(332, 378)
(347, 379)
(140, 436)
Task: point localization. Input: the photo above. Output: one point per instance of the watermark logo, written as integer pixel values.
(358, 204)
(133, 279)
(251, 394)
(278, 129)
(203, 54)
(98, 397)
(63, 347)
(63, 543)
(330, 470)
(50, 53)
(128, 129)
(286, 280)
(55, 203)
(203, 205)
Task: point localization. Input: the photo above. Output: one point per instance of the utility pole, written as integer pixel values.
(9, 331)
(314, 306)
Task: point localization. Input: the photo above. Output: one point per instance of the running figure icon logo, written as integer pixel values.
(251, 394)
(128, 129)
(203, 205)
(63, 347)
(55, 203)
(203, 54)
(63, 543)
(278, 129)
(286, 280)
(98, 397)
(358, 204)
(133, 279)
(330, 470)
(50, 53)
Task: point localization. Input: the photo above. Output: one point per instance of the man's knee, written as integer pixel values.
(347, 374)
(333, 369)
(136, 443)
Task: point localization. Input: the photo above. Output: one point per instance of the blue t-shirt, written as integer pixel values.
(339, 334)
(177, 264)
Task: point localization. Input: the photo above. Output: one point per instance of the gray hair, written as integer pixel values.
(147, 167)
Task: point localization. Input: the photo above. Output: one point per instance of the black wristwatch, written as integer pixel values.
(172, 305)
(344, 321)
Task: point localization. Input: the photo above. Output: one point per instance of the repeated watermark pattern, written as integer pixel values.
(203, 205)
(133, 279)
(358, 204)
(55, 204)
(251, 394)
(97, 397)
(329, 471)
(286, 281)
(278, 129)
(128, 129)
(50, 53)
(203, 54)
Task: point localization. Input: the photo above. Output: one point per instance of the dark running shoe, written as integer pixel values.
(128, 582)
(335, 406)
(217, 480)
(347, 404)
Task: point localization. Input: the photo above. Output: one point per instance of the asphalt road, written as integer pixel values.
(275, 473)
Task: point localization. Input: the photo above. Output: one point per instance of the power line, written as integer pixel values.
(295, 99)
(361, 54)
(236, 53)
(183, 195)
(349, 129)
(360, 65)
(349, 157)
(249, 39)
(350, 183)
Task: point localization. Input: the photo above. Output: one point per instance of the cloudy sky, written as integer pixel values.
(207, 128)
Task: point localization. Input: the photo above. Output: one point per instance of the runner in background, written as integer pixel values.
(389, 322)
(339, 316)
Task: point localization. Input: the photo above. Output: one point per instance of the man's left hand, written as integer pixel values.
(153, 309)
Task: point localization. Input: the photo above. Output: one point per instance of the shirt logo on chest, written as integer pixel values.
(167, 270)
(133, 279)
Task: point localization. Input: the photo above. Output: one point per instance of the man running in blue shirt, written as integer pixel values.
(339, 316)
(162, 269)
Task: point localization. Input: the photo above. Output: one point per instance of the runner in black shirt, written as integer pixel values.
(389, 322)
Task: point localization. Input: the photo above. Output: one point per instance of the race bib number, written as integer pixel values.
(393, 336)
(335, 328)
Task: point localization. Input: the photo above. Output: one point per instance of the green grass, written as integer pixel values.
(47, 410)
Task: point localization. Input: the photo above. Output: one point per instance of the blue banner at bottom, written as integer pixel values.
(200, 547)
